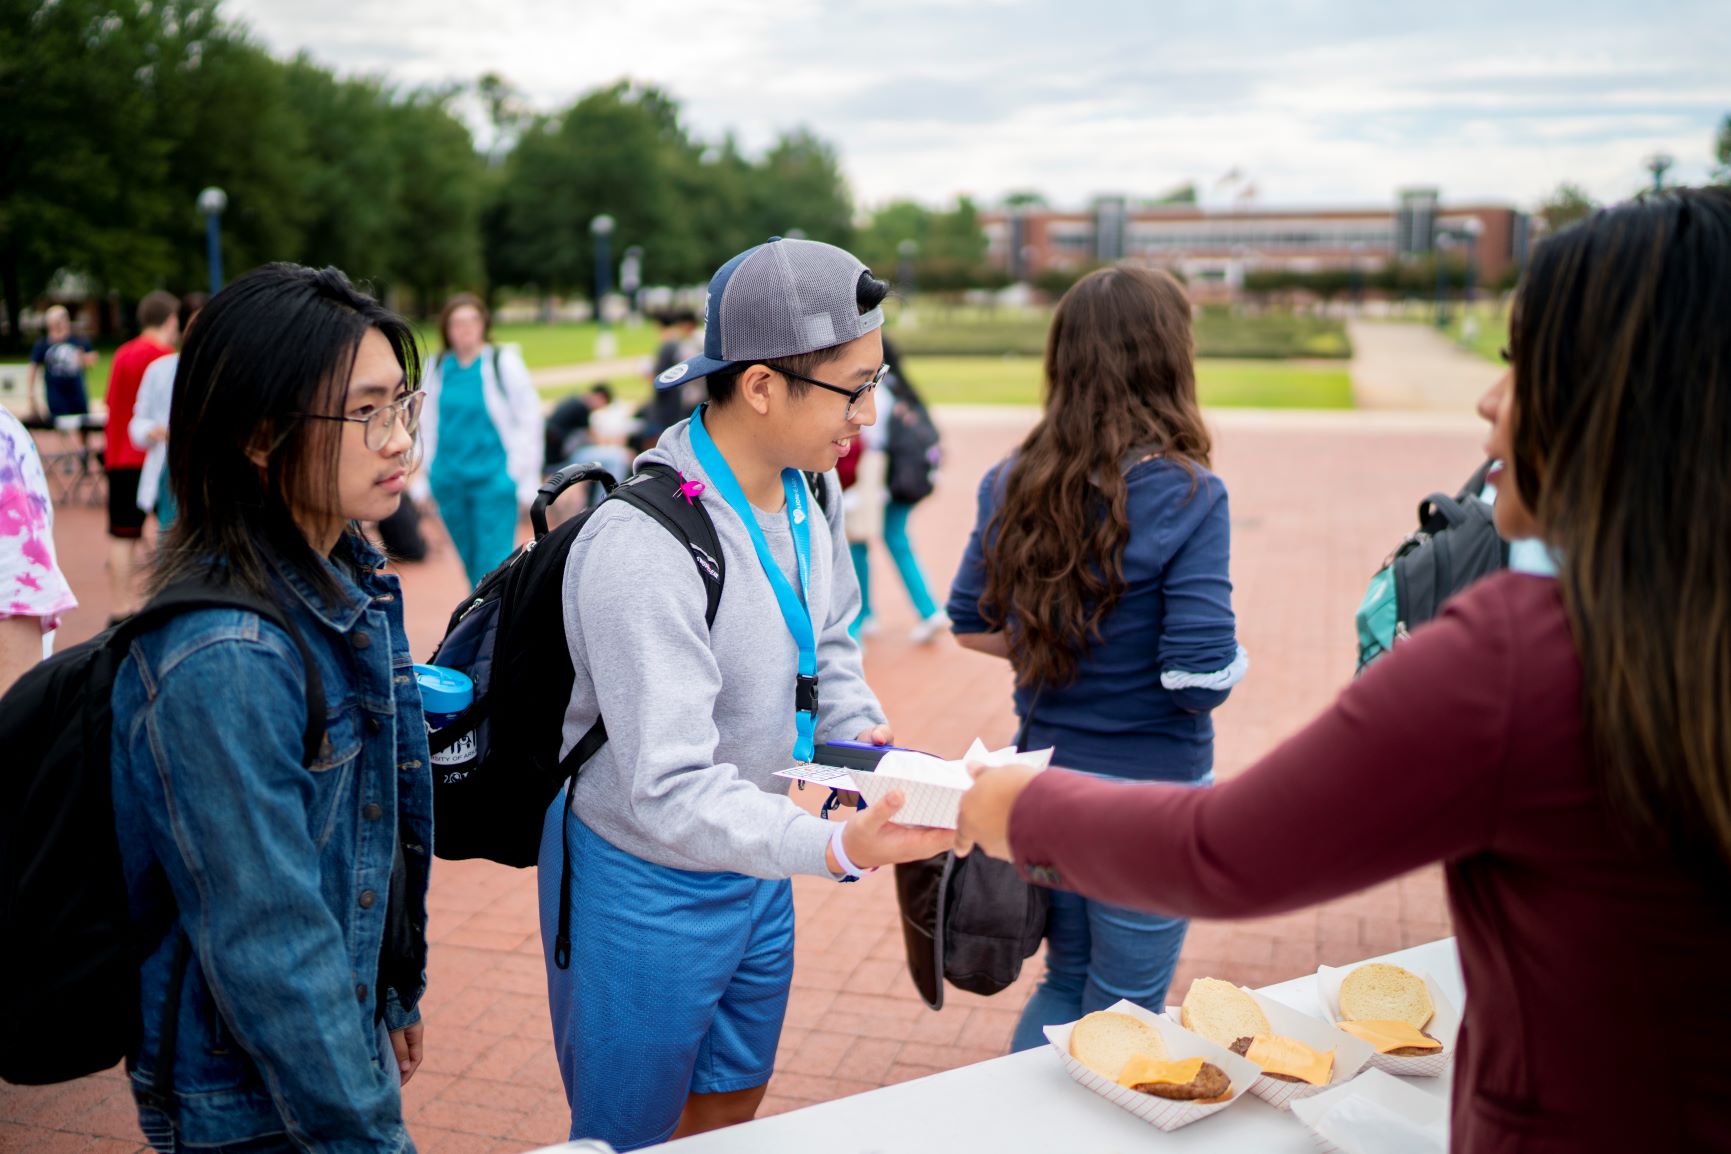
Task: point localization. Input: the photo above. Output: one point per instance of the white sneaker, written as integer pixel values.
(927, 631)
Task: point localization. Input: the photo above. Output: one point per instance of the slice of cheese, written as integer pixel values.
(1277, 1055)
(1390, 1035)
(1141, 1071)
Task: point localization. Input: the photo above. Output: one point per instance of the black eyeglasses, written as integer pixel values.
(854, 396)
(380, 422)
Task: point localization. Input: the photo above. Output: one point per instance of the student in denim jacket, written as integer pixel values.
(294, 895)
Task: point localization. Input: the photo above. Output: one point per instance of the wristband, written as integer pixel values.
(850, 872)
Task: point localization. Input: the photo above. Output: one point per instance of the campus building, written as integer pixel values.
(1215, 247)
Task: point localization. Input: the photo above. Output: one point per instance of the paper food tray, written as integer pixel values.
(1180, 1043)
(1344, 1133)
(1350, 1053)
(1444, 1026)
(933, 788)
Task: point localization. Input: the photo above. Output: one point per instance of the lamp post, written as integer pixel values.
(631, 275)
(1473, 227)
(1444, 242)
(602, 230)
(1659, 164)
(211, 202)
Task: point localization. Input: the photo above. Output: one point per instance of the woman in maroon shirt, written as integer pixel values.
(1562, 744)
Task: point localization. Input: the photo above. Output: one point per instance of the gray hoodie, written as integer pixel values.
(699, 719)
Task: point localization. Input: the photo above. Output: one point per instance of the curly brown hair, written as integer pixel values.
(1120, 383)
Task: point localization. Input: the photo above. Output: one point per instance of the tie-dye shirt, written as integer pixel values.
(31, 584)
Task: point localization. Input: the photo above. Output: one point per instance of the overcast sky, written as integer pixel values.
(1315, 102)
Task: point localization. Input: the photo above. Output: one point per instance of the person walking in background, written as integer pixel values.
(481, 436)
(159, 317)
(1098, 566)
(279, 896)
(896, 472)
(33, 591)
(1559, 740)
(149, 425)
(62, 355)
(667, 407)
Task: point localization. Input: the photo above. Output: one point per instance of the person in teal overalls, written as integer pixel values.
(481, 437)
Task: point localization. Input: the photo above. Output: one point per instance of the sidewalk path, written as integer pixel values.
(617, 370)
(1317, 501)
(1412, 366)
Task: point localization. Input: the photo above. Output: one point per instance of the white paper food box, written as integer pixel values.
(933, 787)
(1350, 1053)
(1365, 1125)
(1444, 1025)
(1180, 1043)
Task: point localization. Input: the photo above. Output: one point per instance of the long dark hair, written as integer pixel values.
(278, 342)
(1119, 377)
(1621, 344)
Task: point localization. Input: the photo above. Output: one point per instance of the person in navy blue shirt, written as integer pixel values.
(1098, 567)
(62, 355)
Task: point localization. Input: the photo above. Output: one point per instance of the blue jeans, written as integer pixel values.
(1095, 955)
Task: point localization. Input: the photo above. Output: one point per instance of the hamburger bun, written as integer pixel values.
(1222, 1013)
(1378, 991)
(1105, 1042)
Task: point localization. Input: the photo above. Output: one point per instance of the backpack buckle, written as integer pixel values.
(805, 694)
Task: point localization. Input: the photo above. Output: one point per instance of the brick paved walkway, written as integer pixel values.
(1317, 501)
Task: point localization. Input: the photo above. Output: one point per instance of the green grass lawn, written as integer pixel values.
(543, 347)
(1223, 382)
(1491, 330)
(1219, 332)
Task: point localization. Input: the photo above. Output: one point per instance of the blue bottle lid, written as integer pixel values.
(444, 690)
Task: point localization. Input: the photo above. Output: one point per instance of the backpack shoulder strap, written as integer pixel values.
(655, 490)
(819, 491)
(186, 596)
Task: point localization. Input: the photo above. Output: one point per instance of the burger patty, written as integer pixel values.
(1210, 1082)
(1414, 1051)
(1242, 1048)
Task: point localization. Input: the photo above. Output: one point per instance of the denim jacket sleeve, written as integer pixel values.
(232, 831)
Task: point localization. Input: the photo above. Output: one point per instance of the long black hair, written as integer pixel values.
(278, 342)
(1622, 442)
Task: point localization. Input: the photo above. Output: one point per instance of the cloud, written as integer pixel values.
(1316, 101)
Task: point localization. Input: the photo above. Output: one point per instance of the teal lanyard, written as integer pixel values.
(795, 605)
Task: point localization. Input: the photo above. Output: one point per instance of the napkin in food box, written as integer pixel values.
(1350, 1053)
(1444, 1025)
(934, 787)
(1375, 1113)
(1164, 1113)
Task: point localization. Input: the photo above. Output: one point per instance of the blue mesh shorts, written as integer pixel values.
(677, 985)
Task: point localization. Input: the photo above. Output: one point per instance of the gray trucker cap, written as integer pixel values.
(779, 299)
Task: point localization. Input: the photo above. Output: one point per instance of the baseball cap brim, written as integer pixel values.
(691, 369)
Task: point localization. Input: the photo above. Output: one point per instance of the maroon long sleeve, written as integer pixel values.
(1465, 746)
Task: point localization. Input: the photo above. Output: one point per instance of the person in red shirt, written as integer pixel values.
(159, 317)
(1559, 740)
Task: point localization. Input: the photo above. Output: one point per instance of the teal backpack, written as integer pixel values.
(1455, 544)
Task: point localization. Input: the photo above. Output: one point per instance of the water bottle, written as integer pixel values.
(445, 693)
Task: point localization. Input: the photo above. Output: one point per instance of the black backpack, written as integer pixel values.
(69, 966)
(1455, 544)
(911, 445)
(509, 637)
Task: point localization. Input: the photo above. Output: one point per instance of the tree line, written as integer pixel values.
(118, 112)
